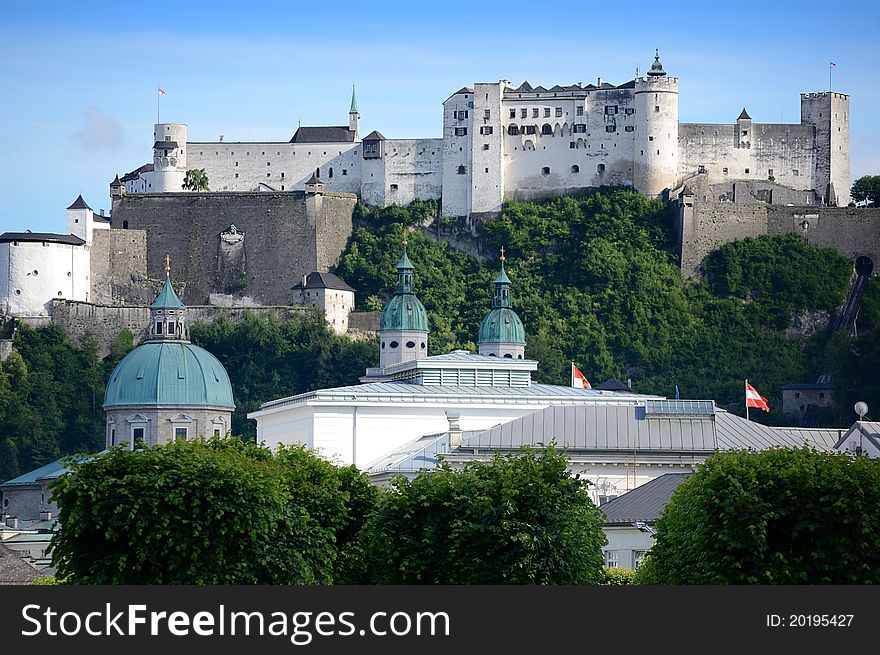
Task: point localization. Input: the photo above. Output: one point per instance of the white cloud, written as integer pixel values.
(99, 131)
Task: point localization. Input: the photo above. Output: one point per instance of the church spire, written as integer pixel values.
(353, 116)
(354, 102)
(403, 324)
(502, 286)
(502, 333)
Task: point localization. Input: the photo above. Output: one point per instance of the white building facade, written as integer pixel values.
(501, 142)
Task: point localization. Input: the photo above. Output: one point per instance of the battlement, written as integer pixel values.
(826, 94)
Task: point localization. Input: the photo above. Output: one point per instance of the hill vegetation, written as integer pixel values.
(594, 280)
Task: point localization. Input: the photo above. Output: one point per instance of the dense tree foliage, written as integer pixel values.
(195, 180)
(522, 519)
(50, 400)
(595, 282)
(780, 516)
(267, 358)
(220, 511)
(867, 189)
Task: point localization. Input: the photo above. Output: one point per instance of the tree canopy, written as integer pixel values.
(196, 179)
(780, 516)
(867, 189)
(220, 511)
(521, 519)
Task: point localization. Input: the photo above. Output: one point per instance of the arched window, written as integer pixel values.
(124, 225)
(508, 356)
(575, 169)
(330, 172)
(545, 170)
(546, 128)
(512, 130)
(600, 168)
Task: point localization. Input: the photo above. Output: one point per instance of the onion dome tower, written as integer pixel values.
(403, 326)
(502, 333)
(167, 388)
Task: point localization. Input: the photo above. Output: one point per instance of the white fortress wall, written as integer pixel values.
(554, 146)
(457, 129)
(33, 273)
(487, 149)
(413, 168)
(238, 166)
(785, 152)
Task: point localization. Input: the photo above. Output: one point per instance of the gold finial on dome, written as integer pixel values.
(167, 265)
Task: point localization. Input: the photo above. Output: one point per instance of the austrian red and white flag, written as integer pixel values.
(832, 64)
(162, 91)
(754, 399)
(578, 380)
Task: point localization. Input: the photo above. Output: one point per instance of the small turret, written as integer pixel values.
(502, 333)
(656, 67)
(743, 136)
(353, 115)
(167, 313)
(403, 325)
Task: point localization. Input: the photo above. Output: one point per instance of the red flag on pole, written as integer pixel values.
(754, 399)
(162, 91)
(578, 380)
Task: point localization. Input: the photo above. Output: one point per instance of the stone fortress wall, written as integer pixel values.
(254, 244)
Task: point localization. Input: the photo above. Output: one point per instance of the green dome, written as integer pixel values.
(169, 373)
(404, 312)
(502, 325)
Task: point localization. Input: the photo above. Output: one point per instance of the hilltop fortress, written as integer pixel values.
(502, 142)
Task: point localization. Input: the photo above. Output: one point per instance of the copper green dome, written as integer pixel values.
(169, 373)
(404, 311)
(502, 325)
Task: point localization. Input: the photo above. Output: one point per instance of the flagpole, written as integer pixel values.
(830, 69)
(571, 373)
(158, 95)
(747, 399)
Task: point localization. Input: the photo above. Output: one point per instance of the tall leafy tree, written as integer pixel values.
(195, 180)
(522, 519)
(867, 189)
(781, 516)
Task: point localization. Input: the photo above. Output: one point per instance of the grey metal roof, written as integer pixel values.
(736, 432)
(165, 145)
(318, 280)
(374, 136)
(412, 456)
(465, 356)
(68, 239)
(644, 503)
(601, 427)
(868, 429)
(136, 173)
(325, 134)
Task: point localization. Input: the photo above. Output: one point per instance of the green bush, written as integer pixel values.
(522, 519)
(780, 516)
(615, 576)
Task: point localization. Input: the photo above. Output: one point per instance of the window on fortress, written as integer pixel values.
(268, 163)
(546, 129)
(513, 113)
(487, 113)
(282, 176)
(236, 176)
(460, 131)
(610, 109)
(629, 111)
(572, 145)
(747, 171)
(330, 172)
(531, 129)
(724, 170)
(546, 112)
(656, 109)
(462, 170)
(512, 130)
(535, 112)
(575, 169)
(558, 112)
(795, 173)
(344, 172)
(394, 187)
(523, 113)
(485, 146)
(600, 168)
(486, 129)
(580, 110)
(629, 128)
(545, 170)
(611, 128)
(580, 128)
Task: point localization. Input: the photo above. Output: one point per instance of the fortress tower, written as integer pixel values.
(828, 112)
(169, 157)
(354, 116)
(655, 148)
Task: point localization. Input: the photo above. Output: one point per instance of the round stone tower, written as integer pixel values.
(403, 326)
(502, 333)
(167, 388)
(655, 156)
(169, 157)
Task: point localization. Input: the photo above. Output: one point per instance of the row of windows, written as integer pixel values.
(263, 154)
(409, 344)
(137, 434)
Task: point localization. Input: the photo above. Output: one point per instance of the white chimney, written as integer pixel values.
(454, 430)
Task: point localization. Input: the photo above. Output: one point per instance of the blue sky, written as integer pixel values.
(80, 78)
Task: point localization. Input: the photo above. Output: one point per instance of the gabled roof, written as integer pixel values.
(807, 387)
(136, 173)
(47, 237)
(744, 115)
(868, 429)
(463, 89)
(48, 471)
(318, 280)
(686, 191)
(116, 182)
(314, 179)
(79, 203)
(613, 384)
(374, 136)
(644, 503)
(325, 134)
(165, 145)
